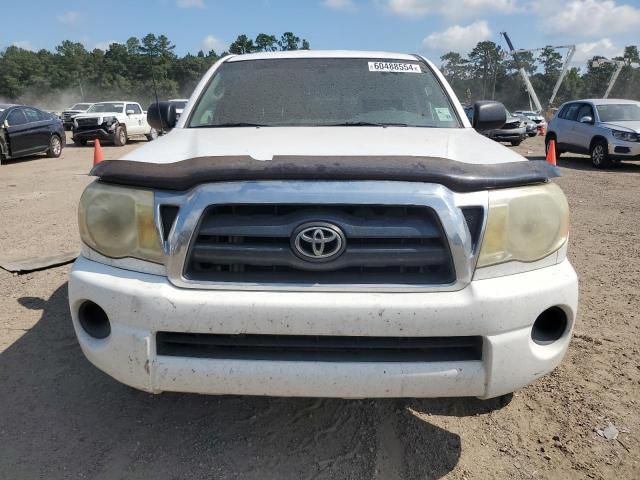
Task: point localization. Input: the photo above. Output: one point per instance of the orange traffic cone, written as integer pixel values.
(551, 152)
(98, 156)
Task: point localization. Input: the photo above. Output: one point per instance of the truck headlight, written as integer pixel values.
(118, 222)
(524, 224)
(109, 122)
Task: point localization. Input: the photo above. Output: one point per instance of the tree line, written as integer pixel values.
(71, 73)
(489, 73)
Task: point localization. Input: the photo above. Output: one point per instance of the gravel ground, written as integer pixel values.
(62, 418)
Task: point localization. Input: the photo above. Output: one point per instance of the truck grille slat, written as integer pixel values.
(356, 227)
(256, 254)
(86, 122)
(403, 245)
(319, 348)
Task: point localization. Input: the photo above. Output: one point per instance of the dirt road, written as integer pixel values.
(62, 418)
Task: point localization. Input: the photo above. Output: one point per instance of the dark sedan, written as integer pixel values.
(27, 131)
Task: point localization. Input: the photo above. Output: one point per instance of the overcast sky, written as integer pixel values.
(431, 27)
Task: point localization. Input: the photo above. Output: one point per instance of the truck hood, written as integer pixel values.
(633, 125)
(459, 144)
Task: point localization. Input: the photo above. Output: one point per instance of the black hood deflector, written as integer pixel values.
(457, 176)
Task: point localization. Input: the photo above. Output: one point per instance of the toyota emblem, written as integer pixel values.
(318, 241)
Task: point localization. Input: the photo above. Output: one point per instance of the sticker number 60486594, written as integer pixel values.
(394, 67)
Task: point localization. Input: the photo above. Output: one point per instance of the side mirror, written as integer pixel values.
(488, 115)
(586, 119)
(162, 116)
(131, 112)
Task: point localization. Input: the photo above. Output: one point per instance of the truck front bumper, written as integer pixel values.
(508, 135)
(500, 310)
(98, 133)
(622, 150)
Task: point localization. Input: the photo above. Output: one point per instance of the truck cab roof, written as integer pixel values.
(321, 54)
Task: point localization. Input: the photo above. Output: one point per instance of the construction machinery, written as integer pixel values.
(616, 73)
(571, 50)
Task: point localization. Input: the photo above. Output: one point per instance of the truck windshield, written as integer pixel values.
(81, 106)
(324, 92)
(107, 107)
(619, 112)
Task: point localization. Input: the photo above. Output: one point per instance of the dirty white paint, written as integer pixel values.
(499, 309)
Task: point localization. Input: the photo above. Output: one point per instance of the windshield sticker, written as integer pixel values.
(444, 114)
(394, 67)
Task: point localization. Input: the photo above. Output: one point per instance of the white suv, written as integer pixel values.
(324, 224)
(606, 129)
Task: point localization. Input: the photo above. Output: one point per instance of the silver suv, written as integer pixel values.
(606, 129)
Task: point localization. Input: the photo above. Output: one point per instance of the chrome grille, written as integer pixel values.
(385, 244)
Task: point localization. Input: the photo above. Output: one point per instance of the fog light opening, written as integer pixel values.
(549, 326)
(94, 320)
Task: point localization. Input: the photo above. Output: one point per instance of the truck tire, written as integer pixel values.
(120, 136)
(3, 158)
(515, 143)
(600, 154)
(152, 135)
(55, 147)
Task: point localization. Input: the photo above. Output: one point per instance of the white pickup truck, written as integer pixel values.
(112, 122)
(324, 224)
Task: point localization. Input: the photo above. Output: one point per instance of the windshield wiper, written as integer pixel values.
(230, 124)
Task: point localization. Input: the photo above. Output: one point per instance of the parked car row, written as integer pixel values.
(514, 131)
(26, 130)
(608, 130)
